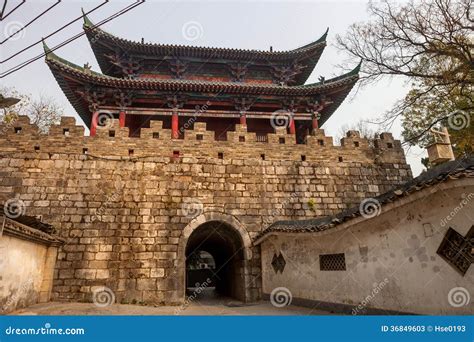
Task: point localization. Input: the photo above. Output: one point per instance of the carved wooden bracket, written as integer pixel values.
(175, 101)
(243, 104)
(238, 71)
(94, 97)
(123, 99)
(290, 104)
(129, 67)
(285, 74)
(178, 67)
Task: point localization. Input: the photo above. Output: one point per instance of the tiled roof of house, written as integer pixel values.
(452, 170)
(30, 228)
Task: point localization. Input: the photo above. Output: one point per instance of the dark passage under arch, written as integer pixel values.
(225, 246)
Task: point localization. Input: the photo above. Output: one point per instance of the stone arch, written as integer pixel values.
(233, 227)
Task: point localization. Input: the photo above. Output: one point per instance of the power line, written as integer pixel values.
(31, 21)
(13, 10)
(67, 41)
(3, 9)
(53, 33)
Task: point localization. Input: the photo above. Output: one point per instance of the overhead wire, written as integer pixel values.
(13, 10)
(31, 21)
(53, 33)
(69, 40)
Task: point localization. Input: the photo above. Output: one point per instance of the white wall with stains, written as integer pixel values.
(392, 261)
(26, 272)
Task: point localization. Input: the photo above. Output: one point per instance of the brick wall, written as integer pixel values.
(119, 200)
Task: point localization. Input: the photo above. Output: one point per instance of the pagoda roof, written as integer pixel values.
(104, 43)
(64, 71)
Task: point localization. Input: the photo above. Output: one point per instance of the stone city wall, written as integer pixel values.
(122, 203)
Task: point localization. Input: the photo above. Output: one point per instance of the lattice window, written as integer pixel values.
(458, 250)
(332, 262)
(278, 263)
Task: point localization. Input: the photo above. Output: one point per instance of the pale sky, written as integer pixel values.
(235, 24)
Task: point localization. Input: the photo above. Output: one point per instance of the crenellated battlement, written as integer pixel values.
(112, 140)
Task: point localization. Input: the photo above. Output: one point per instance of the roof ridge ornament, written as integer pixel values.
(86, 19)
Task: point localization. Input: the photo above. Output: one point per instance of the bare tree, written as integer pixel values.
(430, 43)
(42, 112)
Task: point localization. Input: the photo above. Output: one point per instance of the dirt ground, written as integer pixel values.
(202, 306)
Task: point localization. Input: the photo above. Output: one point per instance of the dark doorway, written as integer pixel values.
(215, 261)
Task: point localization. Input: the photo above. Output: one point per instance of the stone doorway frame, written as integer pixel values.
(233, 223)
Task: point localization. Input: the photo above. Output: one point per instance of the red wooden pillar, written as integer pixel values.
(122, 116)
(292, 124)
(95, 118)
(243, 119)
(174, 124)
(315, 122)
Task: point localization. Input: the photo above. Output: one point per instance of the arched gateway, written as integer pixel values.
(228, 242)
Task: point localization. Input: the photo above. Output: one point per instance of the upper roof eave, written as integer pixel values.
(309, 53)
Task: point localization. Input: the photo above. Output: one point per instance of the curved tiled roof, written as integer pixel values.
(102, 41)
(442, 173)
(64, 71)
(200, 85)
